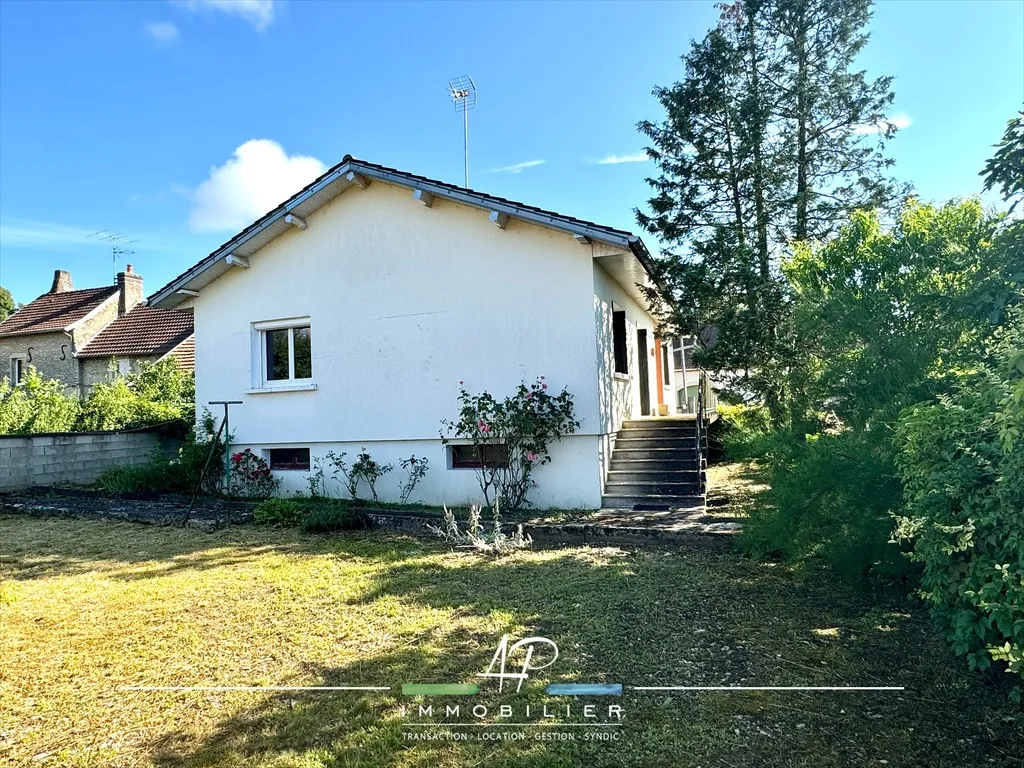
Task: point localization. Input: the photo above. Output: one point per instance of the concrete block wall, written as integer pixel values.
(73, 457)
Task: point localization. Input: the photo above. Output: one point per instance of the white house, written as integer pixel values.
(347, 316)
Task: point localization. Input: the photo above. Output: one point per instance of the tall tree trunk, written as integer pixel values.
(802, 118)
(757, 97)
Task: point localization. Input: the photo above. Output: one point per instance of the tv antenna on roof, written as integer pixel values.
(463, 92)
(117, 241)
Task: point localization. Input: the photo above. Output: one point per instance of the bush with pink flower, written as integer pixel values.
(251, 477)
(524, 424)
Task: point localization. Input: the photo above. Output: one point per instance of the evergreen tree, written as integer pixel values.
(768, 139)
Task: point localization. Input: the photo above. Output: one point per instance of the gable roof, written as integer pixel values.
(143, 332)
(345, 175)
(55, 311)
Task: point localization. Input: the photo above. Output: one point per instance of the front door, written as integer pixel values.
(641, 367)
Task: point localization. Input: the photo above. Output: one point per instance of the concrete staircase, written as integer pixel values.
(656, 464)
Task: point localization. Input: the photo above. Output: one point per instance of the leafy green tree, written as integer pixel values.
(6, 304)
(36, 405)
(961, 460)
(766, 141)
(1005, 169)
(156, 393)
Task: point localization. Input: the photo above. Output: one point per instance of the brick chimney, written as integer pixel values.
(61, 282)
(130, 286)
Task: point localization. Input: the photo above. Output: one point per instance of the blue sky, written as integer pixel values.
(172, 122)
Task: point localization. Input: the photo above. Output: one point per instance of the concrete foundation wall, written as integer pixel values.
(73, 457)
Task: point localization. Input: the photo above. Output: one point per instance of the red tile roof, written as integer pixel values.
(185, 354)
(143, 332)
(55, 311)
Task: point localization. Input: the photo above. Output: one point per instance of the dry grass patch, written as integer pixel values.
(87, 608)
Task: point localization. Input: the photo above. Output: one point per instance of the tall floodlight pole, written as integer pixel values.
(463, 93)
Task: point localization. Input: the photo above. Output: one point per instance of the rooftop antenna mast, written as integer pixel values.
(463, 93)
(118, 243)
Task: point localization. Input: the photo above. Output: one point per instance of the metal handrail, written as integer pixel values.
(700, 433)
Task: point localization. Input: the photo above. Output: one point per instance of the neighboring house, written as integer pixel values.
(81, 337)
(347, 317)
(687, 378)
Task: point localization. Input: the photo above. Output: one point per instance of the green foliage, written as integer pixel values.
(335, 517)
(415, 470)
(192, 467)
(364, 468)
(37, 405)
(747, 430)
(831, 497)
(313, 515)
(961, 459)
(285, 512)
(886, 314)
(6, 304)
(762, 145)
(154, 394)
(525, 423)
(156, 476)
(1005, 169)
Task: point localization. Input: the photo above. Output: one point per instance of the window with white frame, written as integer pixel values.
(285, 352)
(17, 370)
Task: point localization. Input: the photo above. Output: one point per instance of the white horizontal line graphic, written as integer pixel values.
(252, 688)
(767, 687)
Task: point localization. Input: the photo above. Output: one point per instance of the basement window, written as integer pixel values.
(475, 457)
(289, 458)
(619, 341)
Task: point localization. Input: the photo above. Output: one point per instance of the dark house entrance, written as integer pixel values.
(641, 367)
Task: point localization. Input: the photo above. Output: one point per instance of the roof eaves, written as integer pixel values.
(607, 235)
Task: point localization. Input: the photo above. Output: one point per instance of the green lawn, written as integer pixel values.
(88, 607)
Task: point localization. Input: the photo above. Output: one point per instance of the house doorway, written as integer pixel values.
(642, 372)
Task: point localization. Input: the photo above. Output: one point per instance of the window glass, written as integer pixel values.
(472, 457)
(289, 458)
(277, 354)
(619, 342)
(303, 355)
(17, 370)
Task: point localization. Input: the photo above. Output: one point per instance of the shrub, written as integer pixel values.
(154, 394)
(525, 423)
(178, 475)
(369, 471)
(961, 459)
(831, 497)
(251, 477)
(335, 517)
(416, 470)
(493, 543)
(286, 512)
(156, 476)
(37, 405)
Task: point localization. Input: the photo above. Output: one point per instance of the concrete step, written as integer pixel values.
(682, 443)
(644, 488)
(677, 476)
(658, 423)
(657, 454)
(644, 463)
(676, 502)
(644, 432)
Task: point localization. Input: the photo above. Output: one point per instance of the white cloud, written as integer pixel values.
(259, 13)
(259, 177)
(900, 121)
(163, 32)
(636, 157)
(518, 167)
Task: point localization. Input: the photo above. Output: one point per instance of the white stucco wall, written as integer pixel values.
(404, 302)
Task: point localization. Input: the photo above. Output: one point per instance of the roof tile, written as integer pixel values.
(55, 311)
(143, 332)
